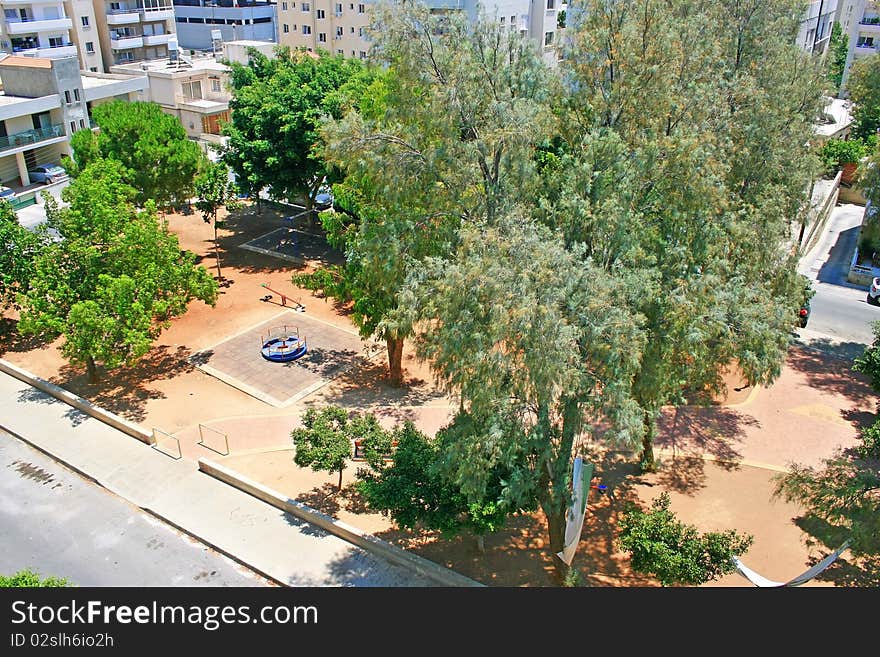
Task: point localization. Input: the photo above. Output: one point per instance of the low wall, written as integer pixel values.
(424, 567)
(78, 402)
(820, 212)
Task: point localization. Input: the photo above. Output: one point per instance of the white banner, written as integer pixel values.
(581, 476)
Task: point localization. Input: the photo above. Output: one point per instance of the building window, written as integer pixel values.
(351, 31)
(293, 27)
(338, 9)
(319, 13)
(192, 89)
(361, 32)
(322, 37)
(85, 21)
(551, 4)
(76, 95)
(339, 31)
(361, 9)
(306, 6)
(307, 29)
(286, 29)
(56, 42)
(73, 126)
(512, 20)
(548, 38)
(82, 123)
(502, 20)
(362, 54)
(90, 47)
(283, 6)
(215, 85)
(67, 96)
(340, 51)
(93, 69)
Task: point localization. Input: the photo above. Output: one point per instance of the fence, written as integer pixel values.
(163, 442)
(210, 435)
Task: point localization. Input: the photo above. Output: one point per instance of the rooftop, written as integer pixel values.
(838, 117)
(30, 62)
(166, 67)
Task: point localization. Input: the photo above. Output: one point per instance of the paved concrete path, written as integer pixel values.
(269, 541)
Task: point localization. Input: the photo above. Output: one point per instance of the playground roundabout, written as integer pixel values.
(283, 345)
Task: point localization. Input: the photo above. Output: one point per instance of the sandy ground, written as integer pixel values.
(811, 410)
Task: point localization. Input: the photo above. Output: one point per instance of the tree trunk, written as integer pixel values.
(91, 370)
(339, 485)
(556, 532)
(647, 462)
(395, 360)
(481, 543)
(217, 251)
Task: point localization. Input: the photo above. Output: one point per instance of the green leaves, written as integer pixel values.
(28, 578)
(863, 84)
(115, 277)
(151, 147)
(323, 442)
(674, 552)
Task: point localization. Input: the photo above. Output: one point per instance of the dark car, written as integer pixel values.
(804, 314)
(324, 199)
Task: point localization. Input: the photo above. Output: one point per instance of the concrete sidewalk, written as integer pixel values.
(275, 544)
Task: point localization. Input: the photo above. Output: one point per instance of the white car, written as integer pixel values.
(6, 194)
(874, 292)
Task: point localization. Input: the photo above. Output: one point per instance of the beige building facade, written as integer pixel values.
(134, 30)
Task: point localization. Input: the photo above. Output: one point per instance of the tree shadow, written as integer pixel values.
(847, 351)
(126, 390)
(368, 384)
(324, 498)
(858, 418)
(847, 570)
(836, 266)
(829, 373)
(693, 430)
(12, 341)
(683, 475)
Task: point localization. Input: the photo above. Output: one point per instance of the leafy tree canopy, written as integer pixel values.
(29, 579)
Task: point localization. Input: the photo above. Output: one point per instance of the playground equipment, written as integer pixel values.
(283, 344)
(284, 298)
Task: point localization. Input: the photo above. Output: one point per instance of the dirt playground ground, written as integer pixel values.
(717, 463)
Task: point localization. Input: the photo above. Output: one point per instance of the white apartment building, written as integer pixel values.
(199, 20)
(36, 28)
(133, 30)
(860, 22)
(815, 32)
(340, 26)
(43, 102)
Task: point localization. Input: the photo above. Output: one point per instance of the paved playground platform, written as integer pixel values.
(237, 361)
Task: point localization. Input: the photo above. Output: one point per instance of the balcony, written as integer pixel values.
(32, 25)
(123, 16)
(156, 39)
(126, 42)
(157, 13)
(29, 137)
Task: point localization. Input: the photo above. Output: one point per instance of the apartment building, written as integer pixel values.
(199, 21)
(84, 34)
(340, 27)
(195, 89)
(860, 22)
(36, 28)
(43, 102)
(133, 30)
(815, 32)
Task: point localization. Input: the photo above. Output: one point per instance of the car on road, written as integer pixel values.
(324, 199)
(874, 292)
(47, 173)
(6, 194)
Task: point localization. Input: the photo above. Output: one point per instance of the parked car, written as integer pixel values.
(6, 194)
(874, 292)
(804, 314)
(324, 199)
(47, 173)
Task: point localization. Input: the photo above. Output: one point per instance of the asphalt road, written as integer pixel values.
(57, 523)
(838, 310)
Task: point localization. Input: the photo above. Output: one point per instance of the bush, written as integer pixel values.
(30, 579)
(837, 152)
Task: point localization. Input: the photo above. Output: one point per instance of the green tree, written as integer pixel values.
(560, 19)
(869, 362)
(837, 152)
(18, 247)
(277, 106)
(324, 441)
(114, 279)
(29, 579)
(674, 552)
(150, 146)
(838, 48)
(864, 91)
(686, 210)
(214, 190)
(416, 493)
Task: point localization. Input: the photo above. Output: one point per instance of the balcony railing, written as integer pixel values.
(870, 20)
(31, 137)
(36, 46)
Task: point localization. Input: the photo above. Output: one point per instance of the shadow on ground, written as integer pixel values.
(828, 373)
